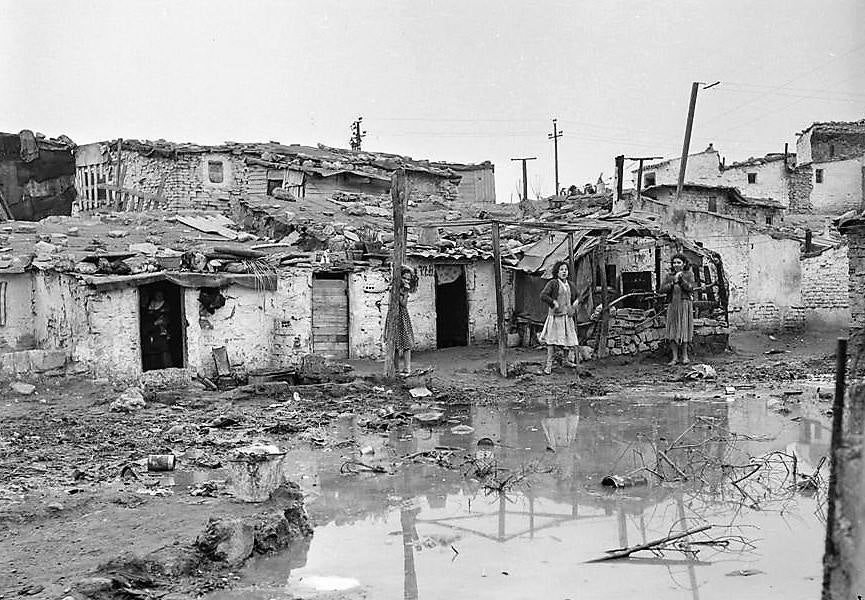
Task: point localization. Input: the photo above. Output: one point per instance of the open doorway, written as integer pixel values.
(161, 325)
(452, 306)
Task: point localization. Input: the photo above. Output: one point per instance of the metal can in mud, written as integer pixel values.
(161, 462)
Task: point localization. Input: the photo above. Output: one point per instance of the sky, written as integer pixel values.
(461, 81)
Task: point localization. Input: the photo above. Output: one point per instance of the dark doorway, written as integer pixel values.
(636, 282)
(452, 306)
(161, 322)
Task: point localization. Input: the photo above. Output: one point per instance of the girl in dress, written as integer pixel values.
(404, 331)
(678, 286)
(560, 294)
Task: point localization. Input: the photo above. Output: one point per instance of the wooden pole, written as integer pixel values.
(500, 302)
(572, 268)
(398, 193)
(118, 195)
(689, 125)
(605, 298)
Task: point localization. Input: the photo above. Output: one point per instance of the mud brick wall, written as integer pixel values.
(801, 184)
(856, 251)
(826, 288)
(17, 324)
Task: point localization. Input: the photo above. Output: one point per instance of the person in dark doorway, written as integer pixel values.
(560, 294)
(404, 333)
(678, 286)
(156, 338)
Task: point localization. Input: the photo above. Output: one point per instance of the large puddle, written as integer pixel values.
(520, 519)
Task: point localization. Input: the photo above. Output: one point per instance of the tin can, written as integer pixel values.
(160, 462)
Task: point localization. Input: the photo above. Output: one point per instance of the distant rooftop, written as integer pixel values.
(836, 127)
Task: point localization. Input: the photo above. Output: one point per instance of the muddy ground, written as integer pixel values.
(75, 495)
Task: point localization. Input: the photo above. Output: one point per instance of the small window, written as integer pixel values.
(752, 178)
(648, 180)
(713, 204)
(831, 150)
(768, 219)
(215, 171)
(818, 175)
(273, 184)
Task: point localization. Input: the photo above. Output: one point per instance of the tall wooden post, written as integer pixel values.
(500, 302)
(605, 298)
(572, 267)
(118, 195)
(689, 125)
(398, 196)
(843, 576)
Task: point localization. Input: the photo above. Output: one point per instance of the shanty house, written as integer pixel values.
(36, 176)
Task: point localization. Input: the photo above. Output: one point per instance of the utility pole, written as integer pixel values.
(525, 176)
(688, 127)
(356, 135)
(641, 160)
(555, 135)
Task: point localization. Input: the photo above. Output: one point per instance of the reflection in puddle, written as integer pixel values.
(428, 532)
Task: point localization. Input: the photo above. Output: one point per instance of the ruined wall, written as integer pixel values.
(698, 199)
(187, 180)
(856, 250)
(368, 296)
(701, 168)
(826, 289)
(800, 186)
(803, 148)
(827, 146)
(841, 188)
(16, 333)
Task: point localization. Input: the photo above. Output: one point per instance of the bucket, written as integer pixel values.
(255, 475)
(161, 462)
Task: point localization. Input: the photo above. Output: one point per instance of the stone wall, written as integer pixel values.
(634, 330)
(772, 180)
(856, 241)
(826, 288)
(800, 186)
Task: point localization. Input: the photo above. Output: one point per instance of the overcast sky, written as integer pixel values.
(462, 81)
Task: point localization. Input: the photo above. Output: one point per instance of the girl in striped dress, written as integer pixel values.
(678, 286)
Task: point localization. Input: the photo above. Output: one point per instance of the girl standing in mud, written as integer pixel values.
(404, 332)
(678, 286)
(560, 294)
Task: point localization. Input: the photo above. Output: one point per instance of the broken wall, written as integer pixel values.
(16, 313)
(826, 289)
(841, 188)
(772, 180)
(856, 241)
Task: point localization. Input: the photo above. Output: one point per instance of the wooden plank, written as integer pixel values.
(331, 337)
(602, 349)
(500, 303)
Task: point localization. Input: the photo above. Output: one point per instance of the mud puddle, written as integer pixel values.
(520, 518)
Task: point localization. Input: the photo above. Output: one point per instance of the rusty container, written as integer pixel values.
(161, 462)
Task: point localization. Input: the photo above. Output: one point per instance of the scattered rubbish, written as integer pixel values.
(256, 471)
(130, 400)
(792, 392)
(775, 351)
(744, 573)
(367, 450)
(462, 430)
(729, 390)
(352, 467)
(430, 417)
(207, 488)
(128, 471)
(623, 481)
(161, 492)
(223, 421)
(25, 389)
(701, 371)
(161, 462)
(420, 392)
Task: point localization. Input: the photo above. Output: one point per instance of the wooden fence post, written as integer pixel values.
(500, 302)
(605, 299)
(398, 195)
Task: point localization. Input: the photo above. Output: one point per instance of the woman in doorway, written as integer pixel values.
(404, 332)
(678, 286)
(560, 294)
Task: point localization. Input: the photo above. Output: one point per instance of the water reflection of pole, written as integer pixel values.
(407, 517)
(501, 516)
(692, 573)
(531, 496)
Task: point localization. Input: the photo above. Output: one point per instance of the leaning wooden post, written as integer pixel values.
(398, 193)
(500, 302)
(605, 298)
(118, 195)
(843, 575)
(572, 267)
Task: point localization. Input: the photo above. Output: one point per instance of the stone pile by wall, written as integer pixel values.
(634, 330)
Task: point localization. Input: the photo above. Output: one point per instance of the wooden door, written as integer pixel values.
(330, 315)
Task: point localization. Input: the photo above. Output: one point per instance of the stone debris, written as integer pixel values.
(131, 400)
(25, 389)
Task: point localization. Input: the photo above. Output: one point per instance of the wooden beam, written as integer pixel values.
(605, 299)
(500, 302)
(118, 177)
(398, 195)
(572, 265)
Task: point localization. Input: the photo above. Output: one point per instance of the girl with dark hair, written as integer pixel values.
(404, 332)
(560, 294)
(678, 286)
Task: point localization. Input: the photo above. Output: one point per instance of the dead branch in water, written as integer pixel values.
(626, 552)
